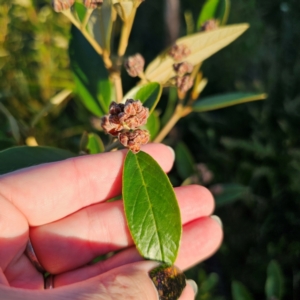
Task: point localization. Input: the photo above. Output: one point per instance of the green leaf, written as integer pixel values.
(90, 75)
(80, 10)
(12, 123)
(151, 208)
(185, 164)
(95, 144)
(225, 100)
(228, 193)
(22, 157)
(208, 12)
(214, 9)
(240, 292)
(153, 125)
(149, 94)
(274, 283)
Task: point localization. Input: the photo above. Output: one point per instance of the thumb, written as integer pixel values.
(130, 281)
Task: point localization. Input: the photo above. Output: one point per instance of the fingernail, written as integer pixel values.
(172, 151)
(169, 281)
(194, 285)
(217, 219)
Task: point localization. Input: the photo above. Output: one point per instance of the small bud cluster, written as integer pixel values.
(184, 83)
(209, 25)
(92, 3)
(123, 121)
(59, 5)
(134, 65)
(183, 68)
(179, 52)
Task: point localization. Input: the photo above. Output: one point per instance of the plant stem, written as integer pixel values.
(91, 40)
(126, 29)
(86, 18)
(180, 112)
(112, 146)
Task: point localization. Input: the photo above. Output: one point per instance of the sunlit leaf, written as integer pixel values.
(91, 77)
(149, 94)
(240, 292)
(22, 157)
(185, 164)
(228, 193)
(274, 283)
(202, 46)
(151, 208)
(225, 100)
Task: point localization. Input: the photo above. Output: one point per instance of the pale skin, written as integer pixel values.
(62, 207)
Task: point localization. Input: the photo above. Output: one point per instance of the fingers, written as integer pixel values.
(55, 190)
(13, 233)
(200, 239)
(77, 239)
(127, 282)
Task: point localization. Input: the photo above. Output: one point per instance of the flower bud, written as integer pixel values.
(209, 25)
(134, 65)
(92, 3)
(179, 52)
(184, 83)
(183, 68)
(134, 139)
(59, 5)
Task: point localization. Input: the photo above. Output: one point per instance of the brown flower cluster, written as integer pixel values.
(209, 25)
(59, 5)
(124, 121)
(181, 80)
(179, 52)
(134, 65)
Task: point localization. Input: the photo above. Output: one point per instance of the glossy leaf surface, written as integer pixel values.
(202, 45)
(240, 292)
(22, 157)
(149, 94)
(185, 164)
(151, 208)
(225, 100)
(274, 283)
(229, 193)
(91, 78)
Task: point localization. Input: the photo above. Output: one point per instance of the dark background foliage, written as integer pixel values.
(255, 144)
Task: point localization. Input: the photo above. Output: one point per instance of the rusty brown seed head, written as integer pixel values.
(179, 52)
(92, 3)
(134, 65)
(134, 139)
(124, 121)
(60, 5)
(184, 83)
(183, 68)
(209, 25)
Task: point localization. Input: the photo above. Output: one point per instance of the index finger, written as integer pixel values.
(49, 192)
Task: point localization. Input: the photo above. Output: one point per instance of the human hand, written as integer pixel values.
(62, 207)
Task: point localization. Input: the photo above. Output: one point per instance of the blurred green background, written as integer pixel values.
(255, 145)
